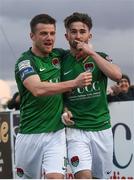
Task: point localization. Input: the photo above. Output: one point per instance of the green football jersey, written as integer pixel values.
(88, 104)
(39, 114)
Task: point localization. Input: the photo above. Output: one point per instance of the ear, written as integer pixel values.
(90, 36)
(31, 35)
(66, 36)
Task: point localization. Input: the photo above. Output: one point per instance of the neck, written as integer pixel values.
(73, 51)
(38, 52)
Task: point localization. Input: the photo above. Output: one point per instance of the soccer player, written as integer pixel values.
(40, 144)
(89, 135)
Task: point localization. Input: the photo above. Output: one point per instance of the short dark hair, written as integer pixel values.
(124, 76)
(41, 18)
(76, 17)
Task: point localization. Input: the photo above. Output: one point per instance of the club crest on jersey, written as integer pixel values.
(75, 161)
(56, 63)
(89, 66)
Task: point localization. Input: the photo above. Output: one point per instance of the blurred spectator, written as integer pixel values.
(122, 91)
(5, 94)
(14, 103)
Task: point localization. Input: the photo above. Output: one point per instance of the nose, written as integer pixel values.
(78, 35)
(48, 36)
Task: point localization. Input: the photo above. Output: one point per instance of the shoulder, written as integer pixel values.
(105, 56)
(24, 63)
(25, 59)
(61, 53)
(111, 98)
(131, 89)
(24, 56)
(25, 66)
(58, 51)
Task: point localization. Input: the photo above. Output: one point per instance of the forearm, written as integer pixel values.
(47, 88)
(39, 88)
(110, 70)
(44, 88)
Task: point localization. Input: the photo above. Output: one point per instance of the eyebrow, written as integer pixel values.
(123, 80)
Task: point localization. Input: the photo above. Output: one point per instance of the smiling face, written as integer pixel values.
(78, 31)
(43, 39)
(124, 85)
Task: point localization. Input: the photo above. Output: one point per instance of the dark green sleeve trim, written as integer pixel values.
(28, 75)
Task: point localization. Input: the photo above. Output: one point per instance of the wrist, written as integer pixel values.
(92, 54)
(74, 83)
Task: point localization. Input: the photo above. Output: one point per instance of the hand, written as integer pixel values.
(66, 118)
(84, 79)
(83, 48)
(116, 90)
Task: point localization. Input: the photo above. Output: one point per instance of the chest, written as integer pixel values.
(71, 68)
(48, 69)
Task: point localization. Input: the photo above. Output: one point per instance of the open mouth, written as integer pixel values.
(49, 44)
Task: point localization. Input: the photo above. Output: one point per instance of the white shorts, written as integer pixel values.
(90, 151)
(39, 154)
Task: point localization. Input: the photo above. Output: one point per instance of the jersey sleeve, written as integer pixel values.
(105, 56)
(25, 68)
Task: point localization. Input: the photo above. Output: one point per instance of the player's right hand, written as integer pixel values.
(66, 118)
(83, 49)
(84, 79)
